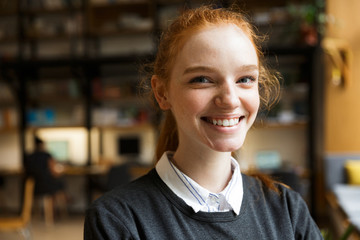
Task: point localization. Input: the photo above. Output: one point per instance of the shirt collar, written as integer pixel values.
(197, 197)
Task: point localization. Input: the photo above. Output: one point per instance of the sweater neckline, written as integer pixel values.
(187, 210)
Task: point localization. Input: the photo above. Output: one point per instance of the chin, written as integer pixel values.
(227, 146)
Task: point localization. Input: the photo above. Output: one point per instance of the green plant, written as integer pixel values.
(326, 234)
(311, 14)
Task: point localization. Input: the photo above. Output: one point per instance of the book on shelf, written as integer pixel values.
(8, 118)
(48, 4)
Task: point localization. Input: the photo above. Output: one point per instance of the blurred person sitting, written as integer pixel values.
(48, 181)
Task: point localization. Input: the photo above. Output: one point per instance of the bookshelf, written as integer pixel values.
(8, 105)
(70, 63)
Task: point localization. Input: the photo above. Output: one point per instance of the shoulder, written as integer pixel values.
(115, 214)
(283, 206)
(274, 193)
(279, 201)
(141, 186)
(267, 185)
(137, 194)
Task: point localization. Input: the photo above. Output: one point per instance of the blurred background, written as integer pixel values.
(69, 75)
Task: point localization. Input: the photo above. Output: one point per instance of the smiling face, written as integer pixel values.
(213, 89)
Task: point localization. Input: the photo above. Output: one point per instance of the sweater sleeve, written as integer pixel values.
(303, 224)
(101, 224)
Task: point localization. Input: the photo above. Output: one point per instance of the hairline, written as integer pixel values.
(184, 36)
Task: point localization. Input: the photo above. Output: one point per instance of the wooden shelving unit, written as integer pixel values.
(101, 47)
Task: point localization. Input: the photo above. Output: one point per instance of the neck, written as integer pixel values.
(210, 169)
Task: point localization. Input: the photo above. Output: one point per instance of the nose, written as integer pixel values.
(227, 96)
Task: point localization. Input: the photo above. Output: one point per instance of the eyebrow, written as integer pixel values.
(210, 69)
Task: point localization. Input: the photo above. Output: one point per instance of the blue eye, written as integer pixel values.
(246, 80)
(200, 79)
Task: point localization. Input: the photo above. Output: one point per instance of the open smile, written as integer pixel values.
(225, 122)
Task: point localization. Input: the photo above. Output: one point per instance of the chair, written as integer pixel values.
(21, 222)
(118, 175)
(48, 205)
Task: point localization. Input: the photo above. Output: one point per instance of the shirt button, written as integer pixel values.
(212, 200)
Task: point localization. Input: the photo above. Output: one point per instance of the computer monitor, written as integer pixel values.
(129, 146)
(59, 149)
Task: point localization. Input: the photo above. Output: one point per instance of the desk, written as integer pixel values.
(80, 181)
(97, 177)
(11, 172)
(346, 200)
(79, 185)
(76, 186)
(68, 170)
(349, 200)
(92, 170)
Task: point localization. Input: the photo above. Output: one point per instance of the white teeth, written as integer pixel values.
(225, 122)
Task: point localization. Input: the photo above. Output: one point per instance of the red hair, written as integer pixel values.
(171, 43)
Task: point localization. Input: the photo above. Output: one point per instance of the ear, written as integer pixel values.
(160, 93)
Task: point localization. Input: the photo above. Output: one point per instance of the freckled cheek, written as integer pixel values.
(187, 105)
(193, 105)
(253, 104)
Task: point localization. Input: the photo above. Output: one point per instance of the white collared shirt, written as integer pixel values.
(197, 197)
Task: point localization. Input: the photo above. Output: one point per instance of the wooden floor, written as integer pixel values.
(70, 228)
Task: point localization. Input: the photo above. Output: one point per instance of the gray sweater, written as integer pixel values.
(148, 209)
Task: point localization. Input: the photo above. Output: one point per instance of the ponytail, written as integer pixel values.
(168, 139)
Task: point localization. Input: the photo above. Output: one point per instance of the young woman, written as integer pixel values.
(210, 80)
